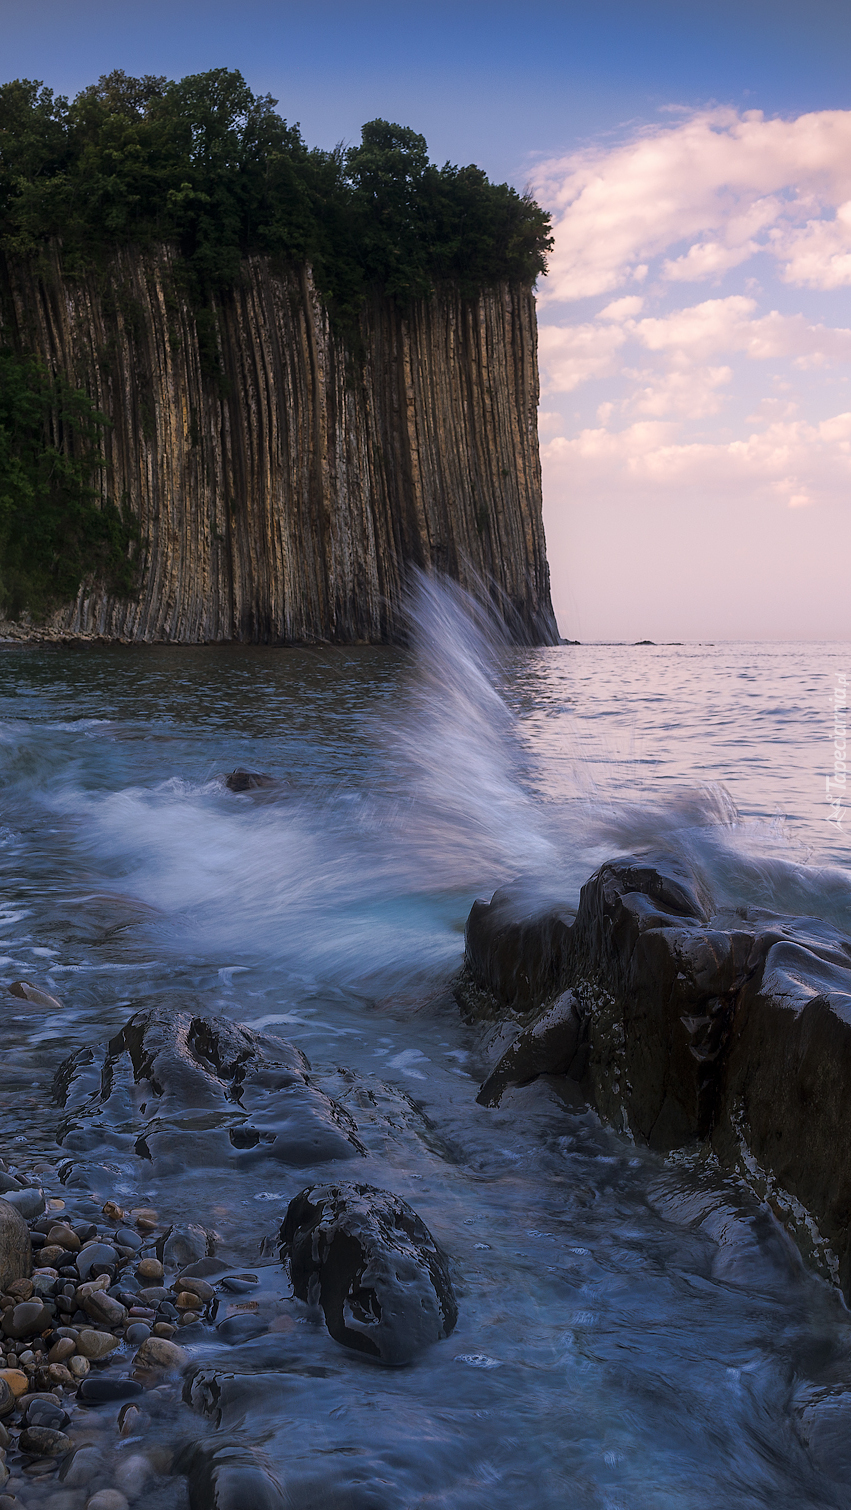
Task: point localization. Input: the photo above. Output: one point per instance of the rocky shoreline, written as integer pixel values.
(687, 1025)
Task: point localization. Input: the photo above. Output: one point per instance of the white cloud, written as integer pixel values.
(717, 180)
(692, 394)
(572, 354)
(792, 461)
(622, 309)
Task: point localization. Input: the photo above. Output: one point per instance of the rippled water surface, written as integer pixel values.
(632, 1333)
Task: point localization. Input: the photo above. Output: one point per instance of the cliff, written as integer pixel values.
(283, 487)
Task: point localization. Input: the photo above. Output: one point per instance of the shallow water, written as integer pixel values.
(632, 1333)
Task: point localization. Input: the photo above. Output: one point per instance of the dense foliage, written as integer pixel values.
(205, 163)
(54, 528)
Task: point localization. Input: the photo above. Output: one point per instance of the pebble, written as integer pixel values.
(16, 1380)
(44, 1442)
(153, 1295)
(28, 1202)
(21, 1289)
(61, 1350)
(95, 1255)
(96, 1344)
(158, 1354)
(163, 1329)
(114, 1212)
(127, 1238)
(107, 1499)
(129, 1417)
(189, 1317)
(137, 1333)
(7, 1398)
(26, 1318)
(78, 1367)
(102, 1307)
(82, 1468)
(26, 991)
(132, 1474)
(146, 1218)
(65, 1237)
(189, 1284)
(107, 1391)
(149, 1268)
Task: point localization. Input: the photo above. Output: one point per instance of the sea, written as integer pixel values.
(634, 1333)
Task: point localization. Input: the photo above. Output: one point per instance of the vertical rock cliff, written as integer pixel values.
(283, 485)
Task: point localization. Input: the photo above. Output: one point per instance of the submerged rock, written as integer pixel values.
(229, 1475)
(380, 1277)
(696, 1024)
(186, 1090)
(250, 781)
(25, 991)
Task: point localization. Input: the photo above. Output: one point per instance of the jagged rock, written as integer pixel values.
(515, 950)
(15, 1245)
(185, 1090)
(547, 1047)
(381, 1279)
(697, 1024)
(250, 781)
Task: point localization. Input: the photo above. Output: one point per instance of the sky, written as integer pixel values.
(695, 324)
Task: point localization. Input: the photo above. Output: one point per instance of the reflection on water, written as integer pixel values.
(632, 1333)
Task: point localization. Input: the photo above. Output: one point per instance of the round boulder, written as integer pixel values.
(15, 1247)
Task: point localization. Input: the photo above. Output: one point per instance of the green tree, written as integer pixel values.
(55, 531)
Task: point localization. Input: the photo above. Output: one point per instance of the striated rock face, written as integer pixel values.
(689, 1025)
(283, 487)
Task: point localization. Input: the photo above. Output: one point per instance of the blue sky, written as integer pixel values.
(696, 325)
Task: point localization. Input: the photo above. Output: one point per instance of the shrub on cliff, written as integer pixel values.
(205, 163)
(55, 530)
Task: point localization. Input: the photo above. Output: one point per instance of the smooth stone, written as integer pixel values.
(78, 1367)
(43, 1441)
(163, 1329)
(240, 1284)
(95, 1345)
(16, 1380)
(64, 1237)
(103, 1308)
(149, 1268)
(187, 1300)
(192, 1285)
(28, 1202)
(26, 1319)
(158, 1354)
(21, 1289)
(107, 1499)
(50, 1256)
(58, 1374)
(7, 1397)
(132, 1474)
(82, 1468)
(205, 1268)
(38, 1412)
(126, 1238)
(15, 1245)
(106, 1391)
(61, 1350)
(153, 1295)
(180, 1246)
(9, 1182)
(138, 1333)
(26, 991)
(95, 1254)
(189, 1318)
(242, 1328)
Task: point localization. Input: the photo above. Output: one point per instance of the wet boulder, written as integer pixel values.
(15, 1246)
(251, 781)
(515, 949)
(228, 1474)
(548, 1046)
(182, 1089)
(372, 1265)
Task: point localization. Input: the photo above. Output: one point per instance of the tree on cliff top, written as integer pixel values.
(207, 164)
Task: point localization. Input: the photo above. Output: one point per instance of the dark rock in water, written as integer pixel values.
(15, 1246)
(26, 1319)
(99, 1257)
(43, 1441)
(697, 1024)
(547, 1047)
(229, 1475)
(188, 1091)
(241, 1328)
(374, 1267)
(183, 1245)
(105, 1391)
(205, 1268)
(515, 951)
(250, 781)
(137, 1333)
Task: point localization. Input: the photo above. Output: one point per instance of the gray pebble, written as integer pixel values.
(137, 1333)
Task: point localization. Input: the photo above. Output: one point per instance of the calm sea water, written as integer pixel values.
(633, 1334)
